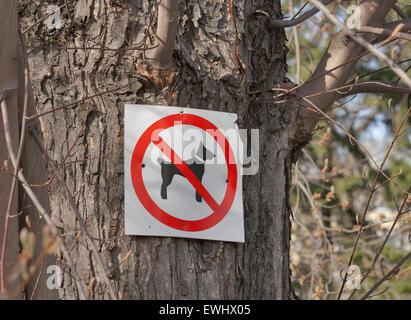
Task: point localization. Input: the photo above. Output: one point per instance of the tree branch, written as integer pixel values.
(398, 10)
(297, 48)
(387, 276)
(14, 181)
(280, 23)
(165, 36)
(37, 202)
(400, 212)
(384, 32)
(373, 87)
(335, 67)
(364, 43)
(372, 191)
(390, 27)
(393, 24)
(329, 75)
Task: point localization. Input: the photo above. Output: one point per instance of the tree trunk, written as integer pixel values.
(225, 59)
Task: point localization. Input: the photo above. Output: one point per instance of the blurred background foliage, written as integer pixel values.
(333, 175)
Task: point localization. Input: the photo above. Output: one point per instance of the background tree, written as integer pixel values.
(332, 177)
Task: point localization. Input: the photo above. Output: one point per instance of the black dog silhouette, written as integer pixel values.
(196, 165)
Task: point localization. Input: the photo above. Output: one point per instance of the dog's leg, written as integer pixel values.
(163, 191)
(198, 197)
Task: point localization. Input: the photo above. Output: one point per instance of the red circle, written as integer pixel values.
(144, 197)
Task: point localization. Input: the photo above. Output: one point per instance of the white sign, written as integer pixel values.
(182, 173)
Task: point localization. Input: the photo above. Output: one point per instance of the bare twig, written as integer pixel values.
(398, 10)
(297, 48)
(387, 276)
(36, 201)
(317, 109)
(33, 269)
(109, 49)
(19, 157)
(280, 23)
(319, 75)
(366, 74)
(371, 195)
(83, 224)
(36, 116)
(388, 235)
(382, 31)
(357, 88)
(14, 181)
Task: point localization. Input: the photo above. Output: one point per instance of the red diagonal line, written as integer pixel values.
(186, 171)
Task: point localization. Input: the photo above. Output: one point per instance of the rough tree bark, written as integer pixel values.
(225, 59)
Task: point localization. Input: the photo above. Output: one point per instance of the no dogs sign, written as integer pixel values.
(182, 173)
